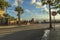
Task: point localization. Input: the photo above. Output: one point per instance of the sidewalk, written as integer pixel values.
(54, 34)
(11, 26)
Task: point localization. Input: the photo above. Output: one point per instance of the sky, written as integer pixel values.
(32, 9)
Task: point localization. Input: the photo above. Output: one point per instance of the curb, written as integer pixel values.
(45, 36)
(7, 27)
(11, 26)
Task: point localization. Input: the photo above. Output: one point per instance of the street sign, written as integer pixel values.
(54, 13)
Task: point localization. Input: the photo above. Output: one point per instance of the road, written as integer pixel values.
(29, 32)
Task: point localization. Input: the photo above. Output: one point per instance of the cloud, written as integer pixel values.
(27, 10)
(54, 9)
(16, 2)
(45, 8)
(33, 1)
(38, 4)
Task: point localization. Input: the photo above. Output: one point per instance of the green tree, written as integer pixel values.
(54, 3)
(3, 4)
(9, 16)
(50, 3)
(58, 11)
(5, 15)
(20, 11)
(57, 6)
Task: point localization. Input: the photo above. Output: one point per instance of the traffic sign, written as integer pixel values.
(54, 13)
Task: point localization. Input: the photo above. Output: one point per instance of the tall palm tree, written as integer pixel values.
(20, 11)
(50, 3)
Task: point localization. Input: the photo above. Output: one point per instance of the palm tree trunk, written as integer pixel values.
(50, 17)
(6, 17)
(18, 17)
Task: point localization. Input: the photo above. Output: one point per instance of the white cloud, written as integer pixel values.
(33, 1)
(38, 4)
(16, 2)
(27, 10)
(54, 9)
(45, 8)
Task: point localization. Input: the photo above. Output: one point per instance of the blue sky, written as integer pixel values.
(32, 9)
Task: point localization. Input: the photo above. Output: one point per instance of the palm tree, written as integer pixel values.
(20, 11)
(54, 3)
(3, 4)
(57, 6)
(50, 3)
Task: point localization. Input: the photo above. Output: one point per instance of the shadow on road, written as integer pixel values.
(35, 34)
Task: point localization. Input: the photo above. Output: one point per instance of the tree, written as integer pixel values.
(50, 3)
(54, 3)
(3, 4)
(58, 11)
(20, 11)
(8, 16)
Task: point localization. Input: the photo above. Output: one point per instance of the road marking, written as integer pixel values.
(46, 33)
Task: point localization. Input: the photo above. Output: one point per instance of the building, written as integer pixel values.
(1, 13)
(1, 17)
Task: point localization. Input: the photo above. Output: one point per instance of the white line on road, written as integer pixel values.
(45, 35)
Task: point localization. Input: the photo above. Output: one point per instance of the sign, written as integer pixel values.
(54, 13)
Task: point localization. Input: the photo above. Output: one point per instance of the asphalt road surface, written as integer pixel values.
(30, 32)
(35, 34)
